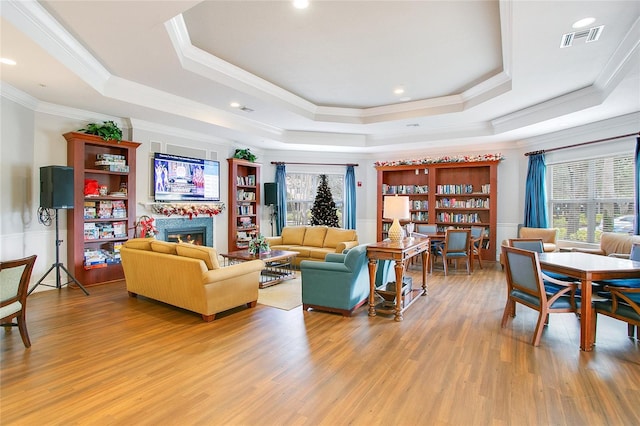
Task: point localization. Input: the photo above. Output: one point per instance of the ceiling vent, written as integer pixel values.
(590, 35)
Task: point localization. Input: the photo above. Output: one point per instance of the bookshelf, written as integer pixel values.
(458, 194)
(99, 223)
(244, 203)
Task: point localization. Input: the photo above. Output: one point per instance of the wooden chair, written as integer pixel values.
(623, 305)
(525, 286)
(623, 296)
(14, 286)
(456, 247)
(477, 242)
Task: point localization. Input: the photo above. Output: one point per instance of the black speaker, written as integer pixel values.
(56, 187)
(270, 194)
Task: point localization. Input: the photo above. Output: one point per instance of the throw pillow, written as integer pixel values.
(207, 254)
(163, 247)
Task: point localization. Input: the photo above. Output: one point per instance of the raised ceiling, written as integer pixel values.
(473, 72)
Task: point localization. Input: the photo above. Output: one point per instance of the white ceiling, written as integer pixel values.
(476, 72)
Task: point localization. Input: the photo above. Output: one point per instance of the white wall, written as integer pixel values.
(31, 139)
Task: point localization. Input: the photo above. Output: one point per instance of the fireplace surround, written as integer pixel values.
(170, 228)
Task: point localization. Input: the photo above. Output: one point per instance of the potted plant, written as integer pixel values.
(259, 245)
(108, 130)
(245, 154)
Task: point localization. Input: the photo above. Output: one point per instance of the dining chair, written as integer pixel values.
(456, 247)
(14, 286)
(623, 297)
(426, 230)
(477, 242)
(624, 305)
(537, 245)
(526, 286)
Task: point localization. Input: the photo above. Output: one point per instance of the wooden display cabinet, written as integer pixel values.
(90, 236)
(446, 194)
(244, 203)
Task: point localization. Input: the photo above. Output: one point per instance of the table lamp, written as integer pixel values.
(396, 208)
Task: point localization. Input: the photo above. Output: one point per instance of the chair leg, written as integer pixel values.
(631, 330)
(468, 268)
(445, 264)
(509, 311)
(22, 326)
(542, 320)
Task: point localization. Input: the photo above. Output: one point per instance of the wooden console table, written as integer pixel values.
(400, 252)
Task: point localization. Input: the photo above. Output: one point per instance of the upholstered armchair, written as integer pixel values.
(613, 244)
(547, 235)
(340, 283)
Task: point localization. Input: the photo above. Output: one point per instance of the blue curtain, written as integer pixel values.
(535, 202)
(349, 221)
(281, 195)
(636, 226)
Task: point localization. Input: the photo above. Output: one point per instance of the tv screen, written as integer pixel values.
(179, 178)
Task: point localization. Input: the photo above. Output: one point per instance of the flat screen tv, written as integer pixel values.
(177, 178)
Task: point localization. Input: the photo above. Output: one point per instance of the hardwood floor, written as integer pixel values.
(108, 359)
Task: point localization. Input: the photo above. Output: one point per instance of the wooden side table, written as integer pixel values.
(400, 252)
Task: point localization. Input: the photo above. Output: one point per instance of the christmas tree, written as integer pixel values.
(324, 211)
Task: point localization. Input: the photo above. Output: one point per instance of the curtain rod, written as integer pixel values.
(581, 144)
(314, 164)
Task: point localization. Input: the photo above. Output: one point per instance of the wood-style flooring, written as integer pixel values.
(107, 359)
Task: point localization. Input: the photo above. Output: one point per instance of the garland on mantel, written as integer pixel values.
(189, 210)
(445, 159)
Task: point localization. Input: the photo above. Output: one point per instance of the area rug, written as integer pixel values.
(285, 295)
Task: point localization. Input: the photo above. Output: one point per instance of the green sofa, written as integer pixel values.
(341, 283)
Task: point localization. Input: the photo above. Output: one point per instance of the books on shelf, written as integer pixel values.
(111, 162)
(249, 180)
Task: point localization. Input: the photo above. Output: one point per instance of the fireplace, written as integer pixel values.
(198, 230)
(192, 235)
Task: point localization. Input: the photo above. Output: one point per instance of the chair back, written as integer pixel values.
(635, 252)
(356, 258)
(457, 241)
(523, 271)
(14, 284)
(531, 244)
(426, 228)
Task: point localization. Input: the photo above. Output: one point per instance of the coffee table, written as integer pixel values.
(278, 264)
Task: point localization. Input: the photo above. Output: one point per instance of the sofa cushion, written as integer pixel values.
(337, 235)
(207, 254)
(314, 236)
(293, 235)
(163, 247)
(302, 251)
(319, 253)
(139, 243)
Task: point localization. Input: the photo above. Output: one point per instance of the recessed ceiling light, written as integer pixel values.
(584, 22)
(300, 4)
(399, 91)
(7, 61)
(234, 105)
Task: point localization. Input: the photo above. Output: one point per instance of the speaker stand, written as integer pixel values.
(273, 215)
(57, 266)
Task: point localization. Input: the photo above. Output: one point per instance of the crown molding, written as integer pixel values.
(31, 18)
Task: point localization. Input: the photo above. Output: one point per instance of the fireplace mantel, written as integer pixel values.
(189, 210)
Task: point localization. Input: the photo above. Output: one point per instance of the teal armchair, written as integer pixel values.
(341, 283)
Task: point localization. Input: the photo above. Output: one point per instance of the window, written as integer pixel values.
(301, 193)
(591, 196)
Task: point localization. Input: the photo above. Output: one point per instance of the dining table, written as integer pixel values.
(588, 268)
